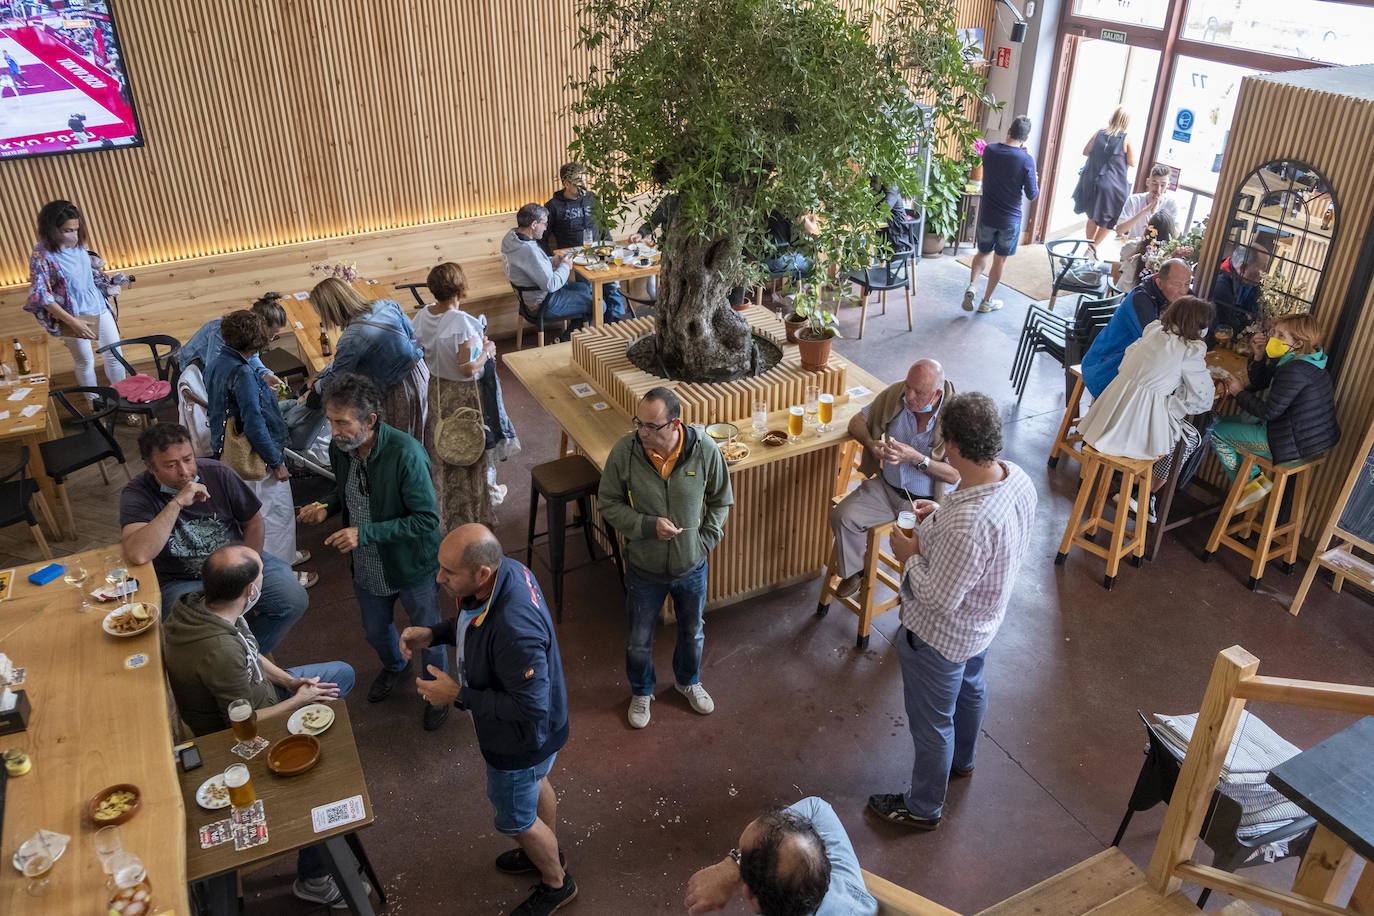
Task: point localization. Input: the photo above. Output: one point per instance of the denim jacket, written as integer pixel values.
(230, 378)
(379, 344)
(205, 344)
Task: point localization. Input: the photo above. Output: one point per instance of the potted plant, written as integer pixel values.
(820, 327)
(975, 172)
(941, 203)
(794, 321)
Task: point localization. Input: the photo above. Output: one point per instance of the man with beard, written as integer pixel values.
(391, 528)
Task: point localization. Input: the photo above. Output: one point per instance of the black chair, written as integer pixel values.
(17, 490)
(1155, 784)
(163, 350)
(415, 291)
(895, 272)
(1067, 256)
(1064, 339)
(534, 315)
(571, 478)
(92, 443)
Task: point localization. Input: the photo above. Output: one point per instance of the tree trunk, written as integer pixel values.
(700, 338)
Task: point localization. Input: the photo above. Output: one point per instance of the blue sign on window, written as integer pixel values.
(1184, 119)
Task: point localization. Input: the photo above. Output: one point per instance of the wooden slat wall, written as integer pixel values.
(1328, 130)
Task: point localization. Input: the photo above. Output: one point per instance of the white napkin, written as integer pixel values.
(19, 394)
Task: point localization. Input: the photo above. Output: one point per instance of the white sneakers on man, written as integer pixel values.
(989, 305)
(701, 700)
(639, 711)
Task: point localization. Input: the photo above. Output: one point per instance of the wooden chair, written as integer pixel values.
(895, 900)
(1275, 540)
(1098, 471)
(1067, 439)
(879, 564)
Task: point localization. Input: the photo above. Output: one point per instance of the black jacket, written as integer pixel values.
(1300, 410)
(568, 219)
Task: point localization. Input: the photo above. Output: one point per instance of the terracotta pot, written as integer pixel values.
(794, 324)
(815, 354)
(741, 306)
(976, 173)
(932, 246)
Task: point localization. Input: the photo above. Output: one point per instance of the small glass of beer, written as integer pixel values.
(243, 719)
(796, 420)
(240, 786)
(36, 868)
(825, 411)
(906, 522)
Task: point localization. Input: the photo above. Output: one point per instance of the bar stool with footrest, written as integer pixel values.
(1098, 471)
(571, 478)
(1066, 440)
(1275, 540)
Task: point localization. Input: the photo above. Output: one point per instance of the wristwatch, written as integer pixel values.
(735, 856)
(923, 463)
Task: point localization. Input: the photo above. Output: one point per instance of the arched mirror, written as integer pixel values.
(1279, 233)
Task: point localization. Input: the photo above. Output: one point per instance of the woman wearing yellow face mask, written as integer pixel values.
(1294, 417)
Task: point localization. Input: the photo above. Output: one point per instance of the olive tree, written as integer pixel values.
(727, 111)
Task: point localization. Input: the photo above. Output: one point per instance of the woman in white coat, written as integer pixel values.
(1162, 380)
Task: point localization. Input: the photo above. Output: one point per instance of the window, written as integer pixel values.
(1336, 33)
(1132, 12)
(1197, 119)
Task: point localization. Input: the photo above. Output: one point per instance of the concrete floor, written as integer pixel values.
(801, 712)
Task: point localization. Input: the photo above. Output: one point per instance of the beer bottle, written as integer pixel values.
(325, 348)
(21, 359)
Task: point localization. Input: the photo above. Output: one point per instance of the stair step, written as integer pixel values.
(1074, 891)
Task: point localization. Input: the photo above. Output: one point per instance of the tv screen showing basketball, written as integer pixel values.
(64, 86)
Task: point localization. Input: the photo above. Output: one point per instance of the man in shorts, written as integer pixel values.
(1008, 173)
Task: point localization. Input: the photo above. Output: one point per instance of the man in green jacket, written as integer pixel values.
(666, 489)
(391, 528)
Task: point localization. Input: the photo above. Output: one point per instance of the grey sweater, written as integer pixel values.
(526, 264)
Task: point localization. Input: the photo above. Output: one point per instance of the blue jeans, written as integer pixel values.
(574, 300)
(793, 263)
(421, 602)
(311, 861)
(643, 598)
(945, 705)
(283, 601)
(514, 795)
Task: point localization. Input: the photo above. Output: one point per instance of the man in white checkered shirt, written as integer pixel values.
(960, 566)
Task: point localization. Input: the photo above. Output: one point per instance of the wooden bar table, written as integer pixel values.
(99, 719)
(39, 426)
(304, 321)
(778, 530)
(601, 273)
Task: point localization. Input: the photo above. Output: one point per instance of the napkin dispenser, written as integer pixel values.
(14, 711)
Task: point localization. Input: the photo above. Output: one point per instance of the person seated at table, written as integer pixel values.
(1163, 379)
(1141, 306)
(784, 257)
(1161, 228)
(797, 859)
(377, 341)
(903, 459)
(551, 289)
(205, 343)
(1295, 417)
(181, 509)
(213, 659)
(570, 211)
(1141, 208)
(1236, 287)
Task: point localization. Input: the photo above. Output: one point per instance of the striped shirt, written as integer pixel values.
(955, 591)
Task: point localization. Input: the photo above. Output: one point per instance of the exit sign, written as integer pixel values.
(1114, 35)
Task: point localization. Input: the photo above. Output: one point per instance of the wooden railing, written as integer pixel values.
(1328, 859)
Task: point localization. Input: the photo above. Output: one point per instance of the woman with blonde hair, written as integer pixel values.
(1102, 188)
(376, 342)
(1293, 417)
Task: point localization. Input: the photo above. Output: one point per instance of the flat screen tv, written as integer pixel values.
(64, 87)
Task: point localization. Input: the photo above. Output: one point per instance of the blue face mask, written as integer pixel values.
(170, 491)
(929, 408)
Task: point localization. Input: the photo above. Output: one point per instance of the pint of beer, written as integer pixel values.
(906, 522)
(796, 418)
(240, 786)
(243, 719)
(825, 410)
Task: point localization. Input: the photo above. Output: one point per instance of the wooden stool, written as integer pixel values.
(1275, 540)
(1066, 439)
(561, 481)
(1098, 471)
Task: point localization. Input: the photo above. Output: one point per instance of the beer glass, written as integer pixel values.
(240, 786)
(906, 522)
(825, 411)
(796, 419)
(243, 719)
(759, 417)
(36, 868)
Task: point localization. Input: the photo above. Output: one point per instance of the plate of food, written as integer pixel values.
(314, 719)
(604, 251)
(213, 794)
(1218, 374)
(734, 452)
(130, 619)
(114, 805)
(774, 438)
(581, 260)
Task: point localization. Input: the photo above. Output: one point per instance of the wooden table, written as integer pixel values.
(287, 803)
(601, 275)
(304, 321)
(777, 532)
(42, 426)
(95, 723)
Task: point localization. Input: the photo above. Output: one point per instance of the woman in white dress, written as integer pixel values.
(1163, 379)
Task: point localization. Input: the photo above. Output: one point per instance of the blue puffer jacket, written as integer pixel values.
(379, 344)
(229, 377)
(1103, 359)
(512, 672)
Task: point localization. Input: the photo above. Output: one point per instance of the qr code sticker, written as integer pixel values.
(337, 814)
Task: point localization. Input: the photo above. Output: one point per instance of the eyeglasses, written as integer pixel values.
(652, 427)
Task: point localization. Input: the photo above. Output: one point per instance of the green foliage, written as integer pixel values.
(947, 180)
(735, 109)
(809, 303)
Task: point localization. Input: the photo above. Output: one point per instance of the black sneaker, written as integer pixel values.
(545, 899)
(893, 809)
(516, 862)
(384, 684)
(436, 716)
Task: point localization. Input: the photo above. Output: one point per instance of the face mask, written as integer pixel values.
(173, 491)
(1276, 348)
(252, 600)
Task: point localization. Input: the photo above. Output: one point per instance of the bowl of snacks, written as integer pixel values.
(293, 755)
(775, 438)
(130, 619)
(734, 452)
(115, 805)
(722, 433)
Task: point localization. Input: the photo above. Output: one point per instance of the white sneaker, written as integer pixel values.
(696, 695)
(968, 299)
(323, 890)
(497, 494)
(639, 711)
(989, 305)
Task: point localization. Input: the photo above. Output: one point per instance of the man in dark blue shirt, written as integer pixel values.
(1008, 172)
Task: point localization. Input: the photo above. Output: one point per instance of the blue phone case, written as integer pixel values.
(47, 573)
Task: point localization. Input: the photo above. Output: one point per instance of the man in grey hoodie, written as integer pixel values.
(551, 290)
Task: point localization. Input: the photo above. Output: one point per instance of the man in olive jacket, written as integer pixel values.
(391, 528)
(666, 489)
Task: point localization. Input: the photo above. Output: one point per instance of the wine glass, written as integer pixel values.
(76, 574)
(588, 240)
(116, 573)
(36, 869)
